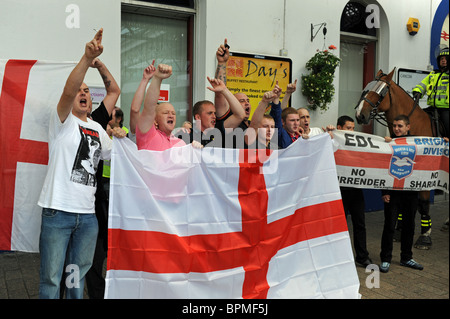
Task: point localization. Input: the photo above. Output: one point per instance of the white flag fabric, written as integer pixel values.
(416, 163)
(30, 89)
(220, 223)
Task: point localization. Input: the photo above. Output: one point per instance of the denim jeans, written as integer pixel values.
(67, 243)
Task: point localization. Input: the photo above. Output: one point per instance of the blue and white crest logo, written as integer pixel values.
(402, 160)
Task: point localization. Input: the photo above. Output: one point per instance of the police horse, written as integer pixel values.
(382, 100)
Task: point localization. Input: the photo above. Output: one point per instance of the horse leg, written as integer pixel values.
(424, 240)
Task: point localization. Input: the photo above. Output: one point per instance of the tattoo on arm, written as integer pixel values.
(106, 81)
(221, 73)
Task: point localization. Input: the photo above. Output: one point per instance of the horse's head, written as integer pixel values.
(372, 98)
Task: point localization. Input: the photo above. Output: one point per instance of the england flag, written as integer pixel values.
(188, 223)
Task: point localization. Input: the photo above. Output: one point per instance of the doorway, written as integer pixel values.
(356, 71)
(357, 53)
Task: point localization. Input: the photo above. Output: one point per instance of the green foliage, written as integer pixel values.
(318, 85)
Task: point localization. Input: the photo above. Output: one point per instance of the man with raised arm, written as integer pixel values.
(157, 121)
(138, 98)
(76, 143)
(224, 110)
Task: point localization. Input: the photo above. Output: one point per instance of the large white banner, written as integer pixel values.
(411, 163)
(186, 223)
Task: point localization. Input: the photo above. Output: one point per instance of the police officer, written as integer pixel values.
(435, 85)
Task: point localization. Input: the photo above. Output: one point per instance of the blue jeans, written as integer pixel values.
(67, 243)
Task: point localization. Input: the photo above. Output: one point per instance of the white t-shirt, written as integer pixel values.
(315, 131)
(75, 148)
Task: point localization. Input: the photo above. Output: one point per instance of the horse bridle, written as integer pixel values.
(381, 90)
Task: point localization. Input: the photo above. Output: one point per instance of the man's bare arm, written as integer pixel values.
(92, 50)
(222, 55)
(147, 117)
(139, 95)
(111, 86)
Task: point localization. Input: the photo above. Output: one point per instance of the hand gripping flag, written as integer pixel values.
(188, 223)
(29, 90)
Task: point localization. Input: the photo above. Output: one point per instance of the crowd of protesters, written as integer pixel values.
(75, 194)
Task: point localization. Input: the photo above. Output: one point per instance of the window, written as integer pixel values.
(178, 3)
(167, 40)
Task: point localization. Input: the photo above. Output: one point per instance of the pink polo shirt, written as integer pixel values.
(156, 140)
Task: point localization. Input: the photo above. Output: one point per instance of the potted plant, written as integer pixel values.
(318, 85)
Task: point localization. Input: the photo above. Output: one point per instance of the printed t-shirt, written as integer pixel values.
(75, 149)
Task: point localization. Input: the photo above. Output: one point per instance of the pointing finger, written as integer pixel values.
(98, 36)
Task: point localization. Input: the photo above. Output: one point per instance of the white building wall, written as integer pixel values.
(43, 30)
(262, 27)
(406, 51)
(32, 29)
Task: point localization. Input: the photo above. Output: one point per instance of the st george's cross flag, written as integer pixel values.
(203, 223)
(29, 90)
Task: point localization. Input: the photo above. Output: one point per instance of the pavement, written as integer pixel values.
(405, 283)
(19, 271)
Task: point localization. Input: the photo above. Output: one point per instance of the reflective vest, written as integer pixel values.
(435, 85)
(107, 163)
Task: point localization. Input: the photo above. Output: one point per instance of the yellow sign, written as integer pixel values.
(254, 75)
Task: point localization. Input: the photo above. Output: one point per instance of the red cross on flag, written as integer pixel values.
(29, 90)
(190, 223)
(417, 163)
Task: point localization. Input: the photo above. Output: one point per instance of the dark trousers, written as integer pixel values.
(95, 280)
(353, 201)
(443, 114)
(406, 202)
(444, 117)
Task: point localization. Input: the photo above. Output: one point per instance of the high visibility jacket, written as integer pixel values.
(435, 85)
(107, 163)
